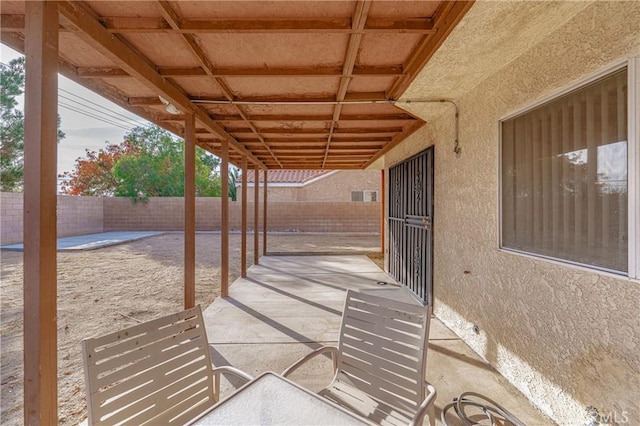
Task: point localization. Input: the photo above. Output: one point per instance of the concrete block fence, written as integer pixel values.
(88, 215)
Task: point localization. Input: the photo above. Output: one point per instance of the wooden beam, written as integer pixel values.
(225, 72)
(92, 32)
(362, 140)
(256, 215)
(224, 223)
(40, 201)
(243, 250)
(316, 131)
(301, 152)
(15, 23)
(332, 25)
(359, 19)
(12, 23)
(276, 130)
(396, 140)
(189, 211)
(101, 72)
(382, 211)
(315, 118)
(264, 212)
(350, 97)
(446, 17)
(175, 22)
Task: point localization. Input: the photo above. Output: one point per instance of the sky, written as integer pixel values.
(83, 131)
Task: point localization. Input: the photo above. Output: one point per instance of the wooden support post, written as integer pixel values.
(224, 226)
(264, 214)
(382, 210)
(243, 250)
(189, 211)
(40, 202)
(256, 215)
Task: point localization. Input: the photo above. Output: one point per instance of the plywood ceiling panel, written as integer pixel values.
(274, 50)
(290, 84)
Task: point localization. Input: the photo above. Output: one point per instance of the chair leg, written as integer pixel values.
(216, 387)
(432, 414)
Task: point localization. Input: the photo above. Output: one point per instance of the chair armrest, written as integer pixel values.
(226, 369)
(427, 407)
(323, 349)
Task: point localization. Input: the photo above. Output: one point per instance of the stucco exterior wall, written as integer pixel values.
(76, 216)
(334, 187)
(567, 337)
(338, 186)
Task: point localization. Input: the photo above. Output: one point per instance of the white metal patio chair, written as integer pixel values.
(380, 361)
(159, 372)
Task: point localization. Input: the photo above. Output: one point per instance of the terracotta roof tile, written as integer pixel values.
(288, 176)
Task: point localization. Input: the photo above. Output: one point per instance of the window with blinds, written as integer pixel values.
(564, 177)
(366, 196)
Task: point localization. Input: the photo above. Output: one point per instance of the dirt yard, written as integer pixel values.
(115, 287)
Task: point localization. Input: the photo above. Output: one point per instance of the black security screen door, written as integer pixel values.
(411, 224)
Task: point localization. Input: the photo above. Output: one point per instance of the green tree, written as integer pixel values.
(12, 130)
(93, 175)
(12, 78)
(148, 163)
(233, 178)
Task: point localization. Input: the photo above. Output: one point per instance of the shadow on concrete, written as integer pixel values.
(275, 324)
(460, 357)
(293, 296)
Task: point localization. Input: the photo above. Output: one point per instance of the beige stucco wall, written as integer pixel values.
(567, 337)
(334, 187)
(338, 186)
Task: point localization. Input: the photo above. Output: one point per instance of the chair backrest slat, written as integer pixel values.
(158, 372)
(383, 349)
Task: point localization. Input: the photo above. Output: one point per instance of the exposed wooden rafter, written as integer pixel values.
(95, 35)
(359, 21)
(339, 25)
(290, 118)
(293, 87)
(174, 21)
(221, 72)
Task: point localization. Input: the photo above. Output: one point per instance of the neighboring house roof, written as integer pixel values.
(294, 177)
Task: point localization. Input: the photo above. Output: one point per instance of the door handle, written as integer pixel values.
(427, 222)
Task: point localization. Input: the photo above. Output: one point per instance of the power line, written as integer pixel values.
(104, 120)
(101, 106)
(96, 117)
(92, 110)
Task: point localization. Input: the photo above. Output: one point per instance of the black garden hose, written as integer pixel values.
(487, 406)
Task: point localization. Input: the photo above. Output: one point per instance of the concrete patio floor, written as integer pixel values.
(290, 305)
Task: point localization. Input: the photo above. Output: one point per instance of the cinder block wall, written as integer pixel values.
(76, 216)
(324, 217)
(167, 214)
(89, 215)
(160, 214)
(10, 218)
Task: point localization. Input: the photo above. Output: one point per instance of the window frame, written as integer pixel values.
(633, 167)
(365, 192)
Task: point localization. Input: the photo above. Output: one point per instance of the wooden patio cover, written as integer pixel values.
(289, 84)
(280, 85)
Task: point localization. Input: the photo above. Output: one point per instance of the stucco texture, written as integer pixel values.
(332, 187)
(567, 337)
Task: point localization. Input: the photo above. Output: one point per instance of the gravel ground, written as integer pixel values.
(115, 287)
